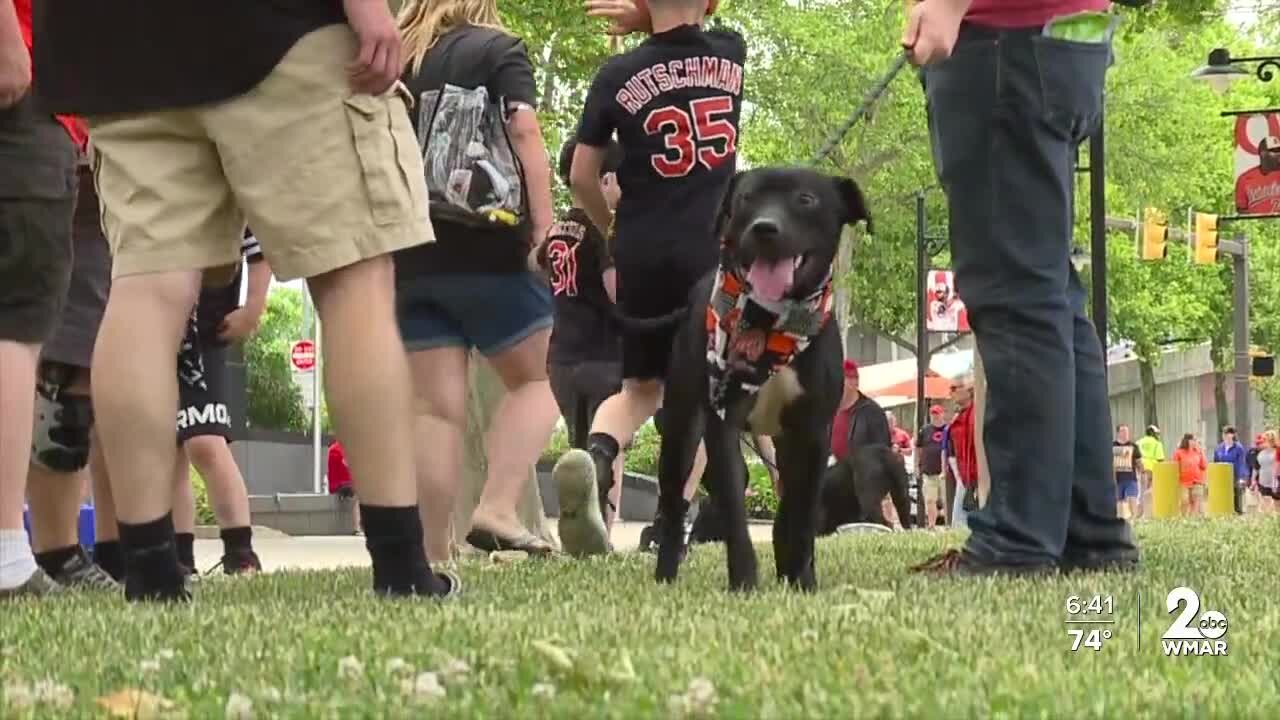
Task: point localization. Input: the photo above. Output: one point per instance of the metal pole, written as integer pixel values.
(1098, 222)
(1243, 369)
(922, 335)
(316, 468)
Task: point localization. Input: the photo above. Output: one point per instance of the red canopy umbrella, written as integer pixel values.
(935, 388)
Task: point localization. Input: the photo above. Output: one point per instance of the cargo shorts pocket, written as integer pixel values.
(373, 132)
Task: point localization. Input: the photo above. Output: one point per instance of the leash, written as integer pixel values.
(872, 96)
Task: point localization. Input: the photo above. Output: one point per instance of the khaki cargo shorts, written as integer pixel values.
(325, 178)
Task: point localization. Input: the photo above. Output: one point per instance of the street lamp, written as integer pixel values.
(1222, 69)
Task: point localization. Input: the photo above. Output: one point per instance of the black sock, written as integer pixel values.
(237, 540)
(151, 560)
(110, 557)
(604, 451)
(186, 544)
(393, 536)
(603, 446)
(51, 561)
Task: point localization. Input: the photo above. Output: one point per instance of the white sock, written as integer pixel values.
(17, 564)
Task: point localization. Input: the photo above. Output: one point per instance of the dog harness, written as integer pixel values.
(750, 339)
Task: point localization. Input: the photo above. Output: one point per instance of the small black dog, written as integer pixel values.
(853, 489)
(760, 349)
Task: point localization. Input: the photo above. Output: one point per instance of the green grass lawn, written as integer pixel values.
(599, 639)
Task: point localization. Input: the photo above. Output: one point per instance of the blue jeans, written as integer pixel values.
(959, 518)
(1006, 114)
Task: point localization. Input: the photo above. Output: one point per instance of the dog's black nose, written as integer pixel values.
(764, 227)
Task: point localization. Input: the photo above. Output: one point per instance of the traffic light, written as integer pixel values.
(1204, 245)
(1154, 244)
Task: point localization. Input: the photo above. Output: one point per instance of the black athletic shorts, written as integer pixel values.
(202, 389)
(648, 291)
(37, 199)
(77, 327)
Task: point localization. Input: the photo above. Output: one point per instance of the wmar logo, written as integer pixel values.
(1193, 632)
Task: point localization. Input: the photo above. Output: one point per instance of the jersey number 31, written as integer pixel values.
(691, 135)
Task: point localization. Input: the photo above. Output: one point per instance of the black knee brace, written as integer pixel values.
(60, 436)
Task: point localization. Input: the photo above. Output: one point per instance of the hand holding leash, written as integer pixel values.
(932, 29)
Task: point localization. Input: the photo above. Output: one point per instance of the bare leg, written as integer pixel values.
(212, 458)
(54, 497)
(366, 377)
(521, 427)
(695, 475)
(17, 408)
(138, 343)
(184, 499)
(440, 390)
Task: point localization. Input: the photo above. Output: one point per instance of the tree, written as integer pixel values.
(274, 401)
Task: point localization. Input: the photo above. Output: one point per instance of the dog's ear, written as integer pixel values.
(855, 205)
(726, 206)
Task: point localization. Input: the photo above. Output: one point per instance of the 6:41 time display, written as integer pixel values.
(1091, 605)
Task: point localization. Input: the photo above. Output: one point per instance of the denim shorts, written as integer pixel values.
(490, 312)
(1128, 490)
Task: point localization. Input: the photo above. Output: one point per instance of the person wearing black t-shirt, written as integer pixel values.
(474, 289)
(585, 358)
(209, 116)
(674, 103)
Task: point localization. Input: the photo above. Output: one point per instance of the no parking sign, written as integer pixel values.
(303, 356)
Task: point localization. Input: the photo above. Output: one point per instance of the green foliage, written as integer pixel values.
(274, 401)
(642, 456)
(200, 492)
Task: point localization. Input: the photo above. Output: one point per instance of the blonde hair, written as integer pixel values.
(1270, 437)
(423, 22)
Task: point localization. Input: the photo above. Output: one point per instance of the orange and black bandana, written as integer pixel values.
(748, 339)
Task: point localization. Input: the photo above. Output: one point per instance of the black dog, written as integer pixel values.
(759, 348)
(853, 489)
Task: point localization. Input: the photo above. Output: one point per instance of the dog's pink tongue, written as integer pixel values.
(771, 281)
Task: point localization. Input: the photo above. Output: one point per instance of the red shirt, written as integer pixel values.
(840, 433)
(1027, 13)
(339, 473)
(963, 448)
(901, 439)
(76, 127)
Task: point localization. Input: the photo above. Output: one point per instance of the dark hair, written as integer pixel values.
(1186, 441)
(612, 159)
(1229, 430)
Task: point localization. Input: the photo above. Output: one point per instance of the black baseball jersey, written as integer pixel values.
(577, 257)
(675, 103)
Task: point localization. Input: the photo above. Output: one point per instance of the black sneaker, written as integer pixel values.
(241, 562)
(651, 535)
(80, 572)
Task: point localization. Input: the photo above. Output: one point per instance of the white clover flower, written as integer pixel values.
(53, 693)
(398, 665)
(239, 707)
(149, 666)
(545, 691)
(424, 688)
(18, 697)
(350, 668)
(455, 670)
(165, 654)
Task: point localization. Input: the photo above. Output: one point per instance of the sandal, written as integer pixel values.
(490, 541)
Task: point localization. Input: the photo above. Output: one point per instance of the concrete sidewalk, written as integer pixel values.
(280, 552)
